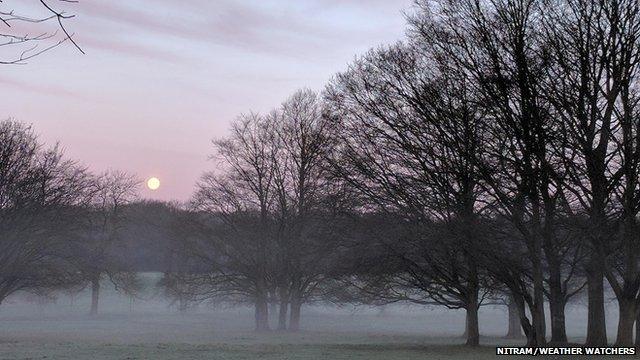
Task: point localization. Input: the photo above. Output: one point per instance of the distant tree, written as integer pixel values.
(149, 231)
(303, 138)
(111, 191)
(237, 231)
(41, 193)
(160, 237)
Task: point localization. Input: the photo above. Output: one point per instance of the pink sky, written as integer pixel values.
(161, 78)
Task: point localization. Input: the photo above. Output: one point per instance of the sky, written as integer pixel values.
(161, 78)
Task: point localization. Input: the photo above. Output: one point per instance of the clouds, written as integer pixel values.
(160, 78)
(279, 28)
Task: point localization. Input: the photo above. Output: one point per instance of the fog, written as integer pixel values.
(150, 327)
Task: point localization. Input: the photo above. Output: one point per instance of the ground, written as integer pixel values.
(217, 335)
(149, 328)
(220, 335)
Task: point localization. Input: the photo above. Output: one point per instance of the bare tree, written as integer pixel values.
(32, 29)
(303, 139)
(111, 191)
(498, 45)
(237, 239)
(40, 195)
(593, 47)
(409, 134)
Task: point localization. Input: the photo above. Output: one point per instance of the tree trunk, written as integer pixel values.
(558, 324)
(537, 312)
(282, 315)
(262, 314)
(529, 330)
(95, 295)
(536, 305)
(515, 329)
(596, 322)
(182, 305)
(294, 316)
(557, 304)
(638, 331)
(557, 300)
(626, 320)
(472, 328)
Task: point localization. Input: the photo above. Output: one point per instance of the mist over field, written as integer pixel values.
(150, 327)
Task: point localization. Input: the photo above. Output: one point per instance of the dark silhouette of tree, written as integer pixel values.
(593, 48)
(111, 192)
(408, 137)
(40, 196)
(239, 240)
(498, 44)
(303, 137)
(261, 227)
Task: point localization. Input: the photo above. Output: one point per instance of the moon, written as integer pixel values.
(153, 183)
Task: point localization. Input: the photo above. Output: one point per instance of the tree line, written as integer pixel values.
(492, 156)
(59, 222)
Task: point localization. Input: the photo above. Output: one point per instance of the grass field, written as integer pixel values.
(219, 335)
(214, 336)
(232, 352)
(150, 329)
